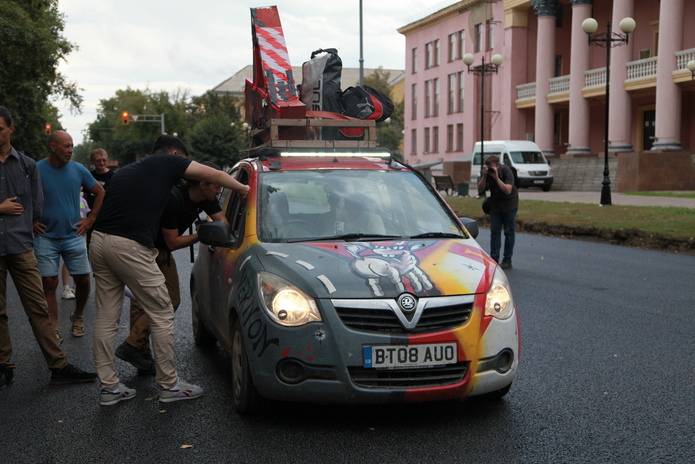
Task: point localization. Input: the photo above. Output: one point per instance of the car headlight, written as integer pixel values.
(285, 303)
(499, 301)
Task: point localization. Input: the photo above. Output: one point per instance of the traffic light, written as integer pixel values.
(125, 118)
(48, 129)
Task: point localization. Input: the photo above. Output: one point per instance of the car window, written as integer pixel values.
(315, 204)
(527, 157)
(236, 206)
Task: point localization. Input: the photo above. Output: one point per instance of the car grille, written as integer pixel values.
(433, 319)
(538, 173)
(409, 378)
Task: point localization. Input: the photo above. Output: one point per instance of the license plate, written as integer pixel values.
(539, 182)
(382, 356)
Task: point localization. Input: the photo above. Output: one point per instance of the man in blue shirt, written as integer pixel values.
(60, 231)
(21, 201)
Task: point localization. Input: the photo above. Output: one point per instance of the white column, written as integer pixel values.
(668, 94)
(620, 118)
(579, 113)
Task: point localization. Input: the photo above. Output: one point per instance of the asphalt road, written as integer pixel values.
(606, 376)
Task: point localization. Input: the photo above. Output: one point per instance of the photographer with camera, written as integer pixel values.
(504, 203)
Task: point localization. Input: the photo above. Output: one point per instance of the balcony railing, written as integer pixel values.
(559, 84)
(594, 77)
(526, 91)
(641, 68)
(683, 57)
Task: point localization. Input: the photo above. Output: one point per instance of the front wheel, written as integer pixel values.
(546, 188)
(201, 335)
(247, 400)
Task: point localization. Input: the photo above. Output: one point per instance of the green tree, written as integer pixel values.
(127, 143)
(389, 133)
(32, 47)
(218, 134)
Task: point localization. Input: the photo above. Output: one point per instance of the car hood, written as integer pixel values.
(380, 269)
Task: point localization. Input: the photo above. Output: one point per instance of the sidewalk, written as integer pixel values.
(595, 197)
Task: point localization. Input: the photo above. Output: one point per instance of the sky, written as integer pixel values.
(166, 45)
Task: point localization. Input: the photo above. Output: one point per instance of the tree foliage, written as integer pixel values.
(209, 124)
(32, 47)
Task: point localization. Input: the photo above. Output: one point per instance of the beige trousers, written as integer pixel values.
(116, 262)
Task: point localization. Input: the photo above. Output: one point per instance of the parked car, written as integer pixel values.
(346, 278)
(525, 158)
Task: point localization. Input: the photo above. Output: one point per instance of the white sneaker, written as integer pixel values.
(108, 398)
(182, 391)
(68, 293)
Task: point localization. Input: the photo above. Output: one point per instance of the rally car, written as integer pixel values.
(344, 277)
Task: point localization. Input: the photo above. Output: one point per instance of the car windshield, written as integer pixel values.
(349, 205)
(527, 157)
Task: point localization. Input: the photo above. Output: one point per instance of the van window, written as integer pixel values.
(527, 157)
(477, 156)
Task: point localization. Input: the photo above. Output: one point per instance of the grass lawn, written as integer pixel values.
(668, 222)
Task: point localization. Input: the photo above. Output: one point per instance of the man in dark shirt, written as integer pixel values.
(21, 203)
(504, 202)
(186, 202)
(122, 253)
(99, 158)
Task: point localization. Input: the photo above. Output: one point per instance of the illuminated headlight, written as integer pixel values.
(285, 303)
(499, 301)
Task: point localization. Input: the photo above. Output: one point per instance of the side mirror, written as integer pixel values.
(215, 234)
(471, 226)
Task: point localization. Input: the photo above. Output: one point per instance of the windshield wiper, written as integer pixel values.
(359, 237)
(438, 235)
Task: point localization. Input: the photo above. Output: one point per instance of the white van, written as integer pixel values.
(524, 157)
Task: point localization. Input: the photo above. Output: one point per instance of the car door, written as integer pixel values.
(223, 260)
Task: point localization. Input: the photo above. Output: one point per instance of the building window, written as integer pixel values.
(413, 141)
(428, 55)
(556, 128)
(462, 84)
(428, 98)
(478, 37)
(436, 52)
(450, 137)
(459, 137)
(451, 94)
(558, 65)
(426, 148)
(435, 139)
(413, 103)
(462, 44)
(490, 35)
(414, 59)
(435, 102)
(452, 47)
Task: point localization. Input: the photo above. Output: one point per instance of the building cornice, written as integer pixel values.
(545, 7)
(439, 16)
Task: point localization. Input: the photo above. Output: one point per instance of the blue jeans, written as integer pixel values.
(497, 222)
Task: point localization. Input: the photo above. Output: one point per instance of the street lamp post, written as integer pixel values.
(481, 70)
(607, 40)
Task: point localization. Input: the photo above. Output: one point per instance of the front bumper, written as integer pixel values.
(322, 362)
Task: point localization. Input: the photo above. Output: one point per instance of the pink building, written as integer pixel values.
(550, 88)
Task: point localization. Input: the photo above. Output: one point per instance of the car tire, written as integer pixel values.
(201, 335)
(247, 400)
(546, 188)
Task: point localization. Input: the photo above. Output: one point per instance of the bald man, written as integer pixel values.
(60, 230)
